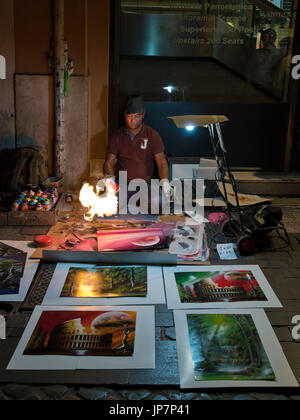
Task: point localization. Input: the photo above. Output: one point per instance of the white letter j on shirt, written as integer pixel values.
(144, 146)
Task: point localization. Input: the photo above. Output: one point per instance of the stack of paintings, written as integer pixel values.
(190, 242)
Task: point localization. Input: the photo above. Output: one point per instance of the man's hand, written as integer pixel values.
(166, 187)
(168, 191)
(107, 182)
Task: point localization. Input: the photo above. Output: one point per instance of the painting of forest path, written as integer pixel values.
(84, 333)
(218, 286)
(108, 282)
(228, 348)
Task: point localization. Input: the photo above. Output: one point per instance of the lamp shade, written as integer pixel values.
(198, 120)
(2, 67)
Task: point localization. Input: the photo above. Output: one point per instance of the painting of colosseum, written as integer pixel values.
(218, 286)
(84, 333)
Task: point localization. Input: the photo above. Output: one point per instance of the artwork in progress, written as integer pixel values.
(132, 239)
(83, 333)
(105, 282)
(227, 348)
(218, 286)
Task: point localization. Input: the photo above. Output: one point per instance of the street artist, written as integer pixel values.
(135, 147)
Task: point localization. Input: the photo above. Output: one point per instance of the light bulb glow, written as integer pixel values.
(190, 127)
(169, 89)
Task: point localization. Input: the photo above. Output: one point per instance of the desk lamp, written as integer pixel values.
(234, 227)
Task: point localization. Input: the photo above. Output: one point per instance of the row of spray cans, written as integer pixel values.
(36, 200)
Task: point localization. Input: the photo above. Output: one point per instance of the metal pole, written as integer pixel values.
(59, 163)
(221, 170)
(230, 174)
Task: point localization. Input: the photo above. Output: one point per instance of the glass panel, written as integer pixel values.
(249, 42)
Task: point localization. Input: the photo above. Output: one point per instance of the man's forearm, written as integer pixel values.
(108, 169)
(163, 171)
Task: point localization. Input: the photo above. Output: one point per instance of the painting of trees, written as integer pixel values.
(227, 347)
(106, 282)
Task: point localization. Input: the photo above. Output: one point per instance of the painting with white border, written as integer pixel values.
(229, 348)
(200, 287)
(71, 338)
(139, 285)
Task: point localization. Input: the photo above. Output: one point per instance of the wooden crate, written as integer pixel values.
(32, 218)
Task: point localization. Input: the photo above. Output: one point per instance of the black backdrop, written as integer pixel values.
(254, 136)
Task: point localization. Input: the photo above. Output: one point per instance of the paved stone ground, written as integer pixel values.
(61, 392)
(159, 393)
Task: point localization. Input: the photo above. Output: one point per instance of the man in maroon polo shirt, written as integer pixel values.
(134, 148)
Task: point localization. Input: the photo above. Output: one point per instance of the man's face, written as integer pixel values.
(268, 38)
(134, 121)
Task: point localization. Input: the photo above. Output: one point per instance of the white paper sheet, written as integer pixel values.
(226, 252)
(278, 361)
(144, 348)
(173, 298)
(29, 272)
(155, 290)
